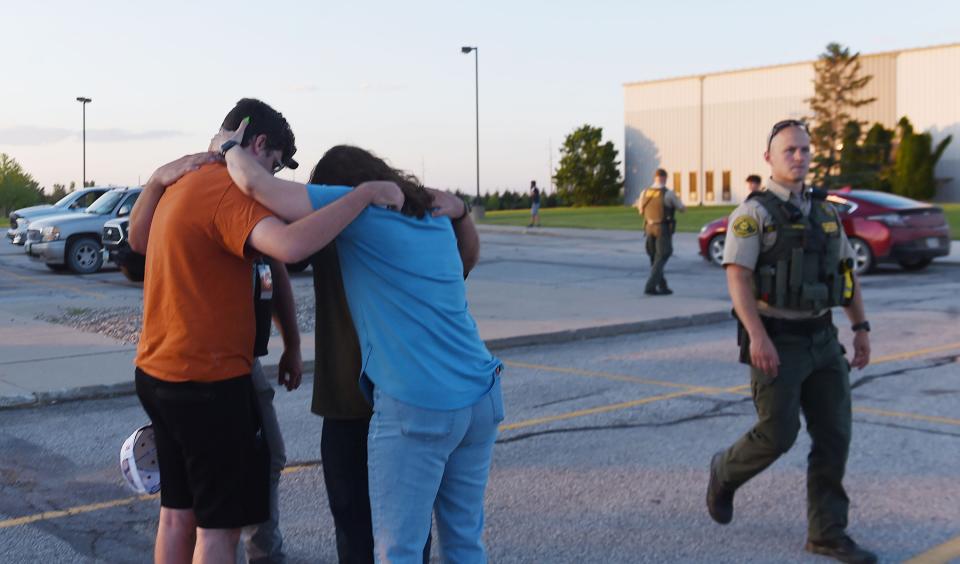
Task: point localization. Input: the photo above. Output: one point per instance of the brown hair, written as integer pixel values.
(346, 165)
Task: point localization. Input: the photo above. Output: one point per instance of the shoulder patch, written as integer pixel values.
(745, 226)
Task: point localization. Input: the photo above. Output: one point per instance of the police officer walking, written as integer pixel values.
(658, 206)
(788, 262)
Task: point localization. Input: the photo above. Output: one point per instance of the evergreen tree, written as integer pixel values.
(837, 87)
(589, 172)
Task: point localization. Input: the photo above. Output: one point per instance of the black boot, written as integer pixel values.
(843, 549)
(719, 498)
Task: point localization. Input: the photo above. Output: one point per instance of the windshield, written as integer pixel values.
(64, 201)
(887, 200)
(105, 203)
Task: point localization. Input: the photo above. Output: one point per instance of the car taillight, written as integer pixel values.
(889, 219)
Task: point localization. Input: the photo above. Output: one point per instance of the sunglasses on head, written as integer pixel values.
(781, 125)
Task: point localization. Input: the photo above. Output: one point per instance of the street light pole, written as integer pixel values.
(476, 83)
(83, 103)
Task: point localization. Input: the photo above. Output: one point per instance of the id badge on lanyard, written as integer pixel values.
(266, 281)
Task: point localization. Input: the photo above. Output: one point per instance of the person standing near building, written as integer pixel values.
(658, 206)
(753, 183)
(788, 262)
(534, 204)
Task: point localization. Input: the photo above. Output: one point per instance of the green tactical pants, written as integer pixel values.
(813, 378)
(659, 249)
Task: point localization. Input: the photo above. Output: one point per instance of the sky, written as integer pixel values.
(388, 76)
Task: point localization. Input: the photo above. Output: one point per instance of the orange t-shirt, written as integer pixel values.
(198, 321)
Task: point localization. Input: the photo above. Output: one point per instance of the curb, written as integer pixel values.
(600, 331)
(126, 388)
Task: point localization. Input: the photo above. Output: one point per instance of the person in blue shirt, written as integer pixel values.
(434, 385)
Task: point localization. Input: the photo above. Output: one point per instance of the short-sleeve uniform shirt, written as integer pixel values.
(747, 236)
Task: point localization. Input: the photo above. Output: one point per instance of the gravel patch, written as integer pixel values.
(124, 323)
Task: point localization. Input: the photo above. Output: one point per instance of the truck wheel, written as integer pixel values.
(84, 256)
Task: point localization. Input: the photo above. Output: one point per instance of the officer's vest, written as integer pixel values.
(802, 271)
(656, 214)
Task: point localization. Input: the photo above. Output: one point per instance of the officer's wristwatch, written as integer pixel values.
(862, 326)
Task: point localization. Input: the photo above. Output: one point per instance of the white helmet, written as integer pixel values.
(138, 461)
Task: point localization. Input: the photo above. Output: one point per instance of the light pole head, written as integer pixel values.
(83, 100)
(466, 50)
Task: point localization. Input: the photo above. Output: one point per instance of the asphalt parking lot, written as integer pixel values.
(602, 458)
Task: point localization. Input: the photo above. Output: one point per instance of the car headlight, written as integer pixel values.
(51, 233)
(704, 228)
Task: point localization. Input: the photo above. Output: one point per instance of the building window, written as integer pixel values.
(708, 184)
(678, 184)
(693, 195)
(726, 186)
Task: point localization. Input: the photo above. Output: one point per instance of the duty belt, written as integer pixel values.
(797, 326)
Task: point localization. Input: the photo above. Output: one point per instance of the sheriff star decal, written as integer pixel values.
(745, 226)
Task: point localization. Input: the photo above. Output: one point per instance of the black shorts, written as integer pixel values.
(212, 453)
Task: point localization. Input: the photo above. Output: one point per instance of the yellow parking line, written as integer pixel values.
(47, 515)
(601, 409)
(903, 415)
(913, 354)
(35, 280)
(604, 375)
(81, 509)
(946, 552)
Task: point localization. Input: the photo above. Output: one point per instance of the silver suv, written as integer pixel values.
(74, 202)
(73, 241)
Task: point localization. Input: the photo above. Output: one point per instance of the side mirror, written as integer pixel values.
(124, 210)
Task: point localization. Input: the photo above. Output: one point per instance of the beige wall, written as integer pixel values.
(663, 119)
(928, 92)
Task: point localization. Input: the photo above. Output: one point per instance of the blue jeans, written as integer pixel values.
(424, 460)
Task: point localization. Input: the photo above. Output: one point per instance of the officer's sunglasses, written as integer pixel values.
(278, 166)
(781, 125)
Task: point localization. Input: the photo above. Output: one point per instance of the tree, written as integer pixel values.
(59, 191)
(17, 188)
(916, 159)
(589, 172)
(866, 163)
(837, 87)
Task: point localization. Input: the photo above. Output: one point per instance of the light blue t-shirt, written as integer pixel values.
(404, 283)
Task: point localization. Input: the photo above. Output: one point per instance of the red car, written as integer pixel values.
(881, 227)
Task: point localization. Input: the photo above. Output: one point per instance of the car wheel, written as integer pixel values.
(298, 266)
(57, 267)
(715, 249)
(862, 256)
(916, 264)
(84, 256)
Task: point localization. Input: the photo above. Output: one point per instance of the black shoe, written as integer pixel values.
(843, 549)
(719, 499)
(664, 291)
(653, 292)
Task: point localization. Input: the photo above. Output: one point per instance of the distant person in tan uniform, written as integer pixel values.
(658, 206)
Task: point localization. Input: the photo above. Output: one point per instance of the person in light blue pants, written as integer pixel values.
(434, 386)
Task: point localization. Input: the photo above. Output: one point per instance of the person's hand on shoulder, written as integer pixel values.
(445, 203)
(383, 193)
(173, 171)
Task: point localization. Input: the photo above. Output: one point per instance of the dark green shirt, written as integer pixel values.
(336, 390)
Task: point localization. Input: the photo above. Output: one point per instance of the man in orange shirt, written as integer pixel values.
(196, 348)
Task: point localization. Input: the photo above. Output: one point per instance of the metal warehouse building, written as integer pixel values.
(709, 131)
